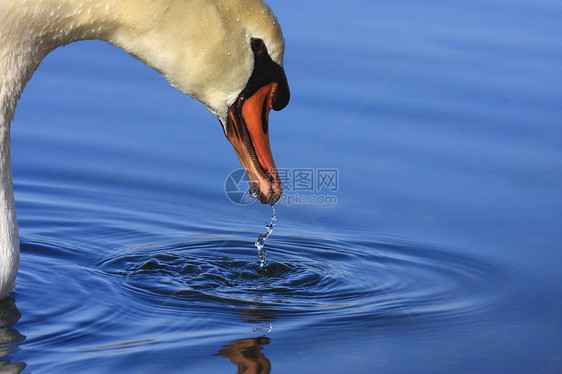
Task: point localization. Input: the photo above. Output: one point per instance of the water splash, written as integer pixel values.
(260, 243)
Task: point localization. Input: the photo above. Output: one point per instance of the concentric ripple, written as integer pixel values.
(349, 282)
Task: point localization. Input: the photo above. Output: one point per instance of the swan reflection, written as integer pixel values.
(9, 314)
(246, 354)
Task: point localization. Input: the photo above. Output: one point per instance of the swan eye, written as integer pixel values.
(267, 71)
(258, 46)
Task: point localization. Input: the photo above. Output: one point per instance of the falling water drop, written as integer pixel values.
(260, 243)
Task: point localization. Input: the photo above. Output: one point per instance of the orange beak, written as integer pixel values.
(247, 130)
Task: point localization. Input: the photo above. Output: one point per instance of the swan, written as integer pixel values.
(228, 54)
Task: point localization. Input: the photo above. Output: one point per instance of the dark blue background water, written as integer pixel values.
(442, 253)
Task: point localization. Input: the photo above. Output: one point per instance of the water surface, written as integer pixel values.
(441, 254)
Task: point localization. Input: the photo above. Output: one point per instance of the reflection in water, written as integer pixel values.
(246, 354)
(9, 336)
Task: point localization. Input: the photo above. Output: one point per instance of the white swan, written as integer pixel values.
(226, 53)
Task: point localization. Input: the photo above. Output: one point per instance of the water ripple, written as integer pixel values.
(193, 292)
(348, 283)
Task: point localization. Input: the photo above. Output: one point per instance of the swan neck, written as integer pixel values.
(9, 238)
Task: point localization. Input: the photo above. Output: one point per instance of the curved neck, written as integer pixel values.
(25, 39)
(29, 30)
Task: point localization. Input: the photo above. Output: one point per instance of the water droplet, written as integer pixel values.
(260, 243)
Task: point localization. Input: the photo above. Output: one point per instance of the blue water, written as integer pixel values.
(441, 253)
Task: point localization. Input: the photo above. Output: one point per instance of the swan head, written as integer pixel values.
(228, 54)
(258, 84)
(247, 123)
